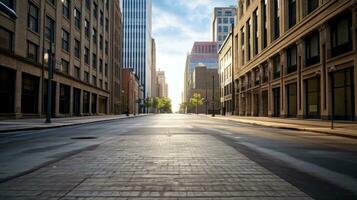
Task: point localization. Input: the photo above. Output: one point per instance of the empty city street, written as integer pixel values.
(176, 157)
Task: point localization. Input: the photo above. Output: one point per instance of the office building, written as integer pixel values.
(296, 59)
(162, 86)
(137, 40)
(81, 34)
(226, 76)
(222, 20)
(204, 53)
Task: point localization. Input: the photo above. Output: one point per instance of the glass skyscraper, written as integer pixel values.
(137, 40)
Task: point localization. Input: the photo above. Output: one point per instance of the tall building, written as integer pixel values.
(222, 20)
(204, 53)
(205, 81)
(130, 92)
(153, 69)
(296, 59)
(81, 34)
(226, 76)
(137, 40)
(162, 86)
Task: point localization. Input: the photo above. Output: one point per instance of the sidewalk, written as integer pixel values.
(39, 123)
(345, 128)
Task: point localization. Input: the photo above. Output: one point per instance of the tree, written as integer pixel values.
(147, 103)
(196, 101)
(164, 105)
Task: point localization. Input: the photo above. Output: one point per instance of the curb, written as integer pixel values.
(292, 128)
(66, 125)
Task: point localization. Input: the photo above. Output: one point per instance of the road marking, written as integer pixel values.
(339, 179)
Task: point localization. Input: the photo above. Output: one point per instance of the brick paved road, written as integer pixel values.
(153, 163)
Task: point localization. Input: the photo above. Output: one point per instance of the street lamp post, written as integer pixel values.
(213, 111)
(49, 58)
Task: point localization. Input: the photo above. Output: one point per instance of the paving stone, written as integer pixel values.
(180, 166)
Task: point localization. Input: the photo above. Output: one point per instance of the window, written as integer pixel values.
(106, 25)
(94, 80)
(77, 72)
(106, 47)
(292, 12)
(77, 18)
(264, 23)
(225, 20)
(312, 95)
(219, 20)
(312, 49)
(9, 3)
(225, 29)
(228, 13)
(86, 28)
(88, 4)
(291, 59)
(231, 20)
(100, 65)
(276, 66)
(219, 13)
(341, 35)
(86, 77)
(95, 35)
(86, 55)
(95, 10)
(248, 24)
(219, 28)
(65, 40)
(53, 2)
(276, 19)
(265, 72)
(77, 48)
(312, 5)
(65, 8)
(65, 66)
(32, 18)
(255, 31)
(106, 69)
(100, 83)
(50, 29)
(101, 21)
(94, 61)
(64, 99)
(101, 42)
(6, 39)
(32, 51)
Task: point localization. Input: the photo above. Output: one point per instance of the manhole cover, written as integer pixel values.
(84, 138)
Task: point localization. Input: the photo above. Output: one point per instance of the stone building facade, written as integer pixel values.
(296, 58)
(130, 91)
(226, 76)
(86, 40)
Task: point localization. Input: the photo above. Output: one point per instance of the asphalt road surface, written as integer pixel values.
(176, 157)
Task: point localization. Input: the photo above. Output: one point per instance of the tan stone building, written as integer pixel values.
(162, 86)
(226, 76)
(130, 91)
(86, 39)
(296, 58)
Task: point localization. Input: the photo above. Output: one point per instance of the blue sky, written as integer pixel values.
(176, 24)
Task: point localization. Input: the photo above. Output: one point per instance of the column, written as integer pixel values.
(81, 103)
(252, 104)
(90, 104)
(260, 91)
(246, 94)
(300, 84)
(18, 93)
(270, 96)
(324, 72)
(282, 85)
(40, 97)
(97, 104)
(354, 35)
(58, 88)
(71, 101)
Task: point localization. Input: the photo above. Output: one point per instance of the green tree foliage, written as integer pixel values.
(164, 105)
(196, 101)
